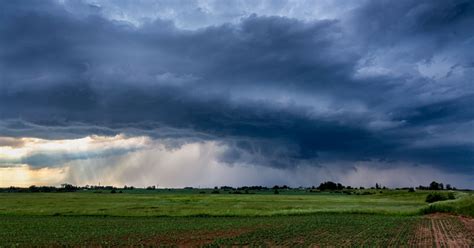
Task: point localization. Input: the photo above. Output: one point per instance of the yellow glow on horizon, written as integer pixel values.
(23, 176)
(13, 151)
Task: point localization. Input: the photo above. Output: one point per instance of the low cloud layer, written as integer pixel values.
(383, 83)
(50, 153)
(199, 165)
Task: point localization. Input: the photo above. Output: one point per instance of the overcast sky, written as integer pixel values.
(205, 93)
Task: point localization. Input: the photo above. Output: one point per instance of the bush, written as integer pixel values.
(463, 205)
(451, 196)
(434, 197)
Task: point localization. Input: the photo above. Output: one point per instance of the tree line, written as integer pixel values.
(324, 186)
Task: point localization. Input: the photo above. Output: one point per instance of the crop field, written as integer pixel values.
(444, 231)
(195, 204)
(196, 219)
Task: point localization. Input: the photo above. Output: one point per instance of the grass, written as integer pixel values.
(164, 204)
(463, 205)
(189, 218)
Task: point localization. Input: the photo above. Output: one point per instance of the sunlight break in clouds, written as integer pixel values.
(45, 153)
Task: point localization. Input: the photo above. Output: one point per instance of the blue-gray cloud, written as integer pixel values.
(280, 88)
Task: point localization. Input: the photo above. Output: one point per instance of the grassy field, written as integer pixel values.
(166, 204)
(191, 218)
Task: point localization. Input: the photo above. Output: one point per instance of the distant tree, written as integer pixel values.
(227, 188)
(377, 186)
(68, 187)
(276, 192)
(435, 186)
(448, 186)
(421, 187)
(330, 186)
(33, 188)
(340, 186)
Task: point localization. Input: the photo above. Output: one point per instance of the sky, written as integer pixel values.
(240, 92)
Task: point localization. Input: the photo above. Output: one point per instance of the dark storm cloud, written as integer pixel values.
(447, 111)
(279, 89)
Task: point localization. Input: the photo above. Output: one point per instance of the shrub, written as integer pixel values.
(451, 196)
(463, 205)
(434, 197)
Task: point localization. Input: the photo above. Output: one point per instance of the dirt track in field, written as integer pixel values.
(443, 230)
(193, 239)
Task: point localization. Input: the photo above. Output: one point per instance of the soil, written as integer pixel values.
(444, 230)
(193, 239)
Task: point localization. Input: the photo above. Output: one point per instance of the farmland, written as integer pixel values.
(199, 218)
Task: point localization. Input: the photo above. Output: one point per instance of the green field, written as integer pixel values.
(196, 218)
(195, 204)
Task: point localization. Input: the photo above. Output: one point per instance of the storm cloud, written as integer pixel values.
(386, 83)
